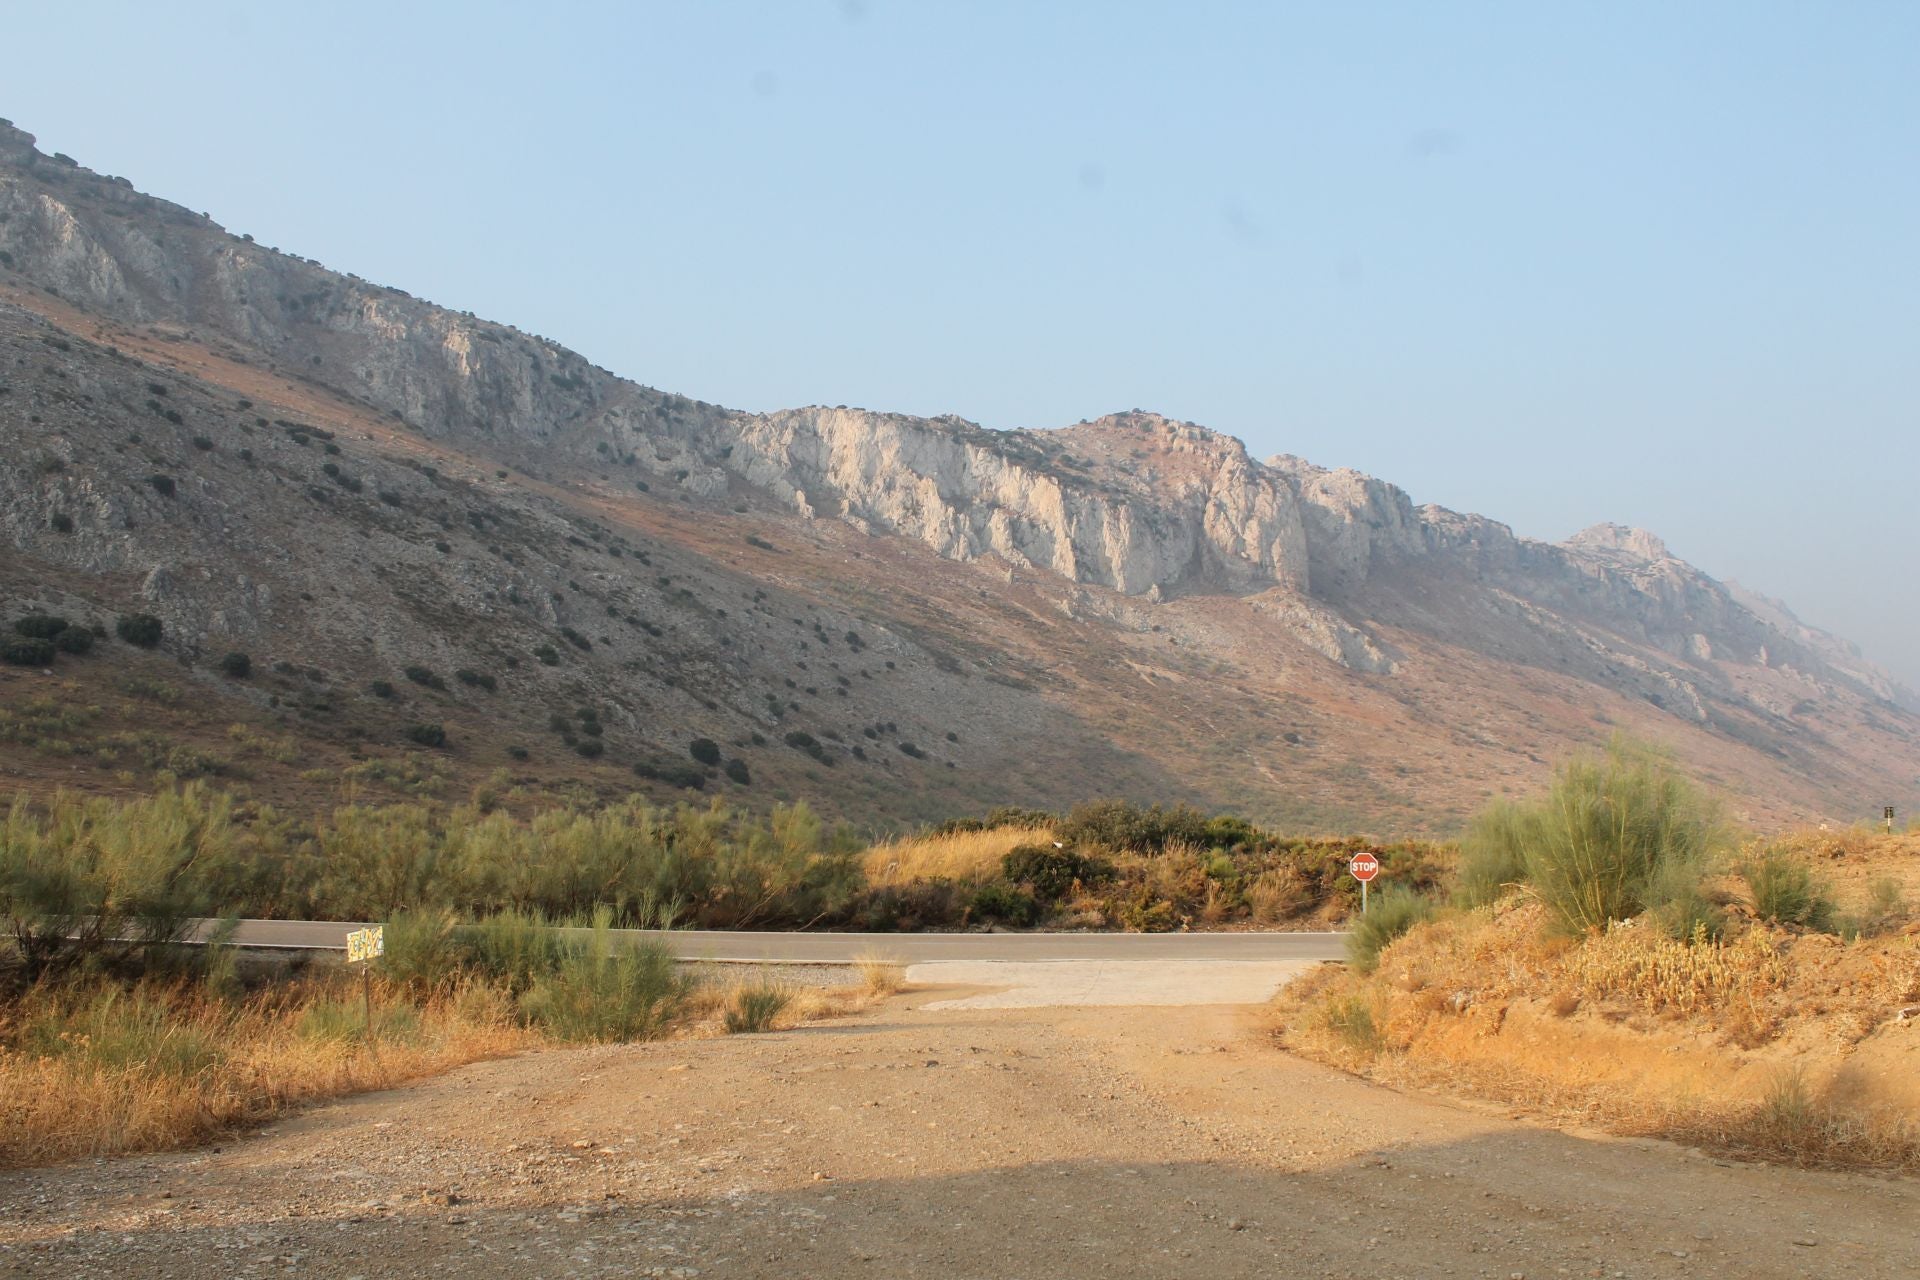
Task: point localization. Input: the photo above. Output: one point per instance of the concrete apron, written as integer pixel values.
(1044, 984)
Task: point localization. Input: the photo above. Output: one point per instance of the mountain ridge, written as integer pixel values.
(1145, 509)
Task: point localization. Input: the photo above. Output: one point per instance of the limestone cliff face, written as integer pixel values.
(99, 244)
(968, 493)
(1133, 502)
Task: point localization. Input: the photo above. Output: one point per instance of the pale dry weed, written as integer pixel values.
(962, 855)
(1657, 972)
(881, 972)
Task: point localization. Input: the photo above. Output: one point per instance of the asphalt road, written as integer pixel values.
(910, 948)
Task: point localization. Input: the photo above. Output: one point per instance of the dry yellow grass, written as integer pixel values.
(1786, 1044)
(882, 973)
(1656, 972)
(105, 1080)
(707, 1006)
(964, 855)
(100, 1071)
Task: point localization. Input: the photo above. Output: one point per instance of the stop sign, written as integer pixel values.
(1364, 867)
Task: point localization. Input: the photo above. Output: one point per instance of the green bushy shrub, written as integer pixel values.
(75, 640)
(1392, 912)
(1052, 873)
(608, 990)
(140, 629)
(237, 665)
(672, 773)
(1785, 891)
(1127, 828)
(428, 735)
(755, 1007)
(40, 626)
(1008, 904)
(107, 882)
(737, 770)
(1616, 836)
(27, 653)
(907, 908)
(705, 750)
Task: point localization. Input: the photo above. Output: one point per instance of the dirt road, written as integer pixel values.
(915, 1142)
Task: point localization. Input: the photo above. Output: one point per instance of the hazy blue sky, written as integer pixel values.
(1556, 263)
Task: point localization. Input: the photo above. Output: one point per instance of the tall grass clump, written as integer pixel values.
(105, 883)
(1393, 911)
(1618, 835)
(1785, 890)
(605, 990)
(754, 1008)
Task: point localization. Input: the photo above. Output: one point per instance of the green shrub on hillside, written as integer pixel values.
(705, 750)
(998, 901)
(1617, 836)
(140, 629)
(1052, 873)
(75, 640)
(237, 665)
(1125, 827)
(40, 626)
(673, 773)
(1392, 912)
(1785, 891)
(27, 653)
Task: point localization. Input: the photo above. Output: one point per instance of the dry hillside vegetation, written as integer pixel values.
(1765, 997)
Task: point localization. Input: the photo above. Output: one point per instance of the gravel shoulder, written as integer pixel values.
(952, 1142)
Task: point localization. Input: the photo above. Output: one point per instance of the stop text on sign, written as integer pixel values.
(1364, 867)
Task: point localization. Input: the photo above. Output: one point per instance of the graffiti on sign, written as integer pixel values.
(366, 944)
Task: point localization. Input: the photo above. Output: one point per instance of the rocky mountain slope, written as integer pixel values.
(893, 616)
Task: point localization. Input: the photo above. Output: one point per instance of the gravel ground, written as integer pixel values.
(910, 1141)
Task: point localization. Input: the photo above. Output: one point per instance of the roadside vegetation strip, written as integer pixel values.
(138, 869)
(96, 1063)
(505, 931)
(1614, 952)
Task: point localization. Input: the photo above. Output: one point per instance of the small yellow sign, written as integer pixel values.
(366, 944)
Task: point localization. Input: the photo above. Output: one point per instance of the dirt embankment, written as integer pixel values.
(910, 1141)
(1792, 1043)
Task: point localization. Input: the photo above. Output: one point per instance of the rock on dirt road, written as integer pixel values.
(1036, 1142)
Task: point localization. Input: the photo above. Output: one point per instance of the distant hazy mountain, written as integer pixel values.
(894, 617)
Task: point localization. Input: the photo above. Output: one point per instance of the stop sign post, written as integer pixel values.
(1364, 867)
